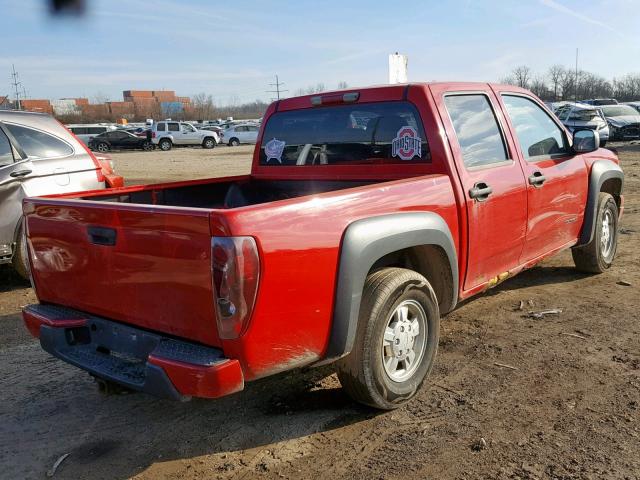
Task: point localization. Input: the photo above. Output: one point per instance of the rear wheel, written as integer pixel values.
(597, 256)
(234, 142)
(20, 260)
(396, 341)
(209, 142)
(165, 144)
(102, 147)
(147, 146)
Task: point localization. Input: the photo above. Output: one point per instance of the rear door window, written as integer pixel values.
(174, 127)
(38, 144)
(161, 127)
(539, 136)
(80, 130)
(96, 130)
(6, 153)
(359, 134)
(479, 135)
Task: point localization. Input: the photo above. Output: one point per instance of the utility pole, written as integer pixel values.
(16, 85)
(575, 89)
(277, 91)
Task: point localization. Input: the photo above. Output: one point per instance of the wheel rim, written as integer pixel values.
(607, 235)
(102, 147)
(165, 146)
(404, 340)
(208, 143)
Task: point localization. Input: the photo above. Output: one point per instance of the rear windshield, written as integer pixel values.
(389, 132)
(618, 110)
(584, 115)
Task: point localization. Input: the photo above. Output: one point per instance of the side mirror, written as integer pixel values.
(585, 141)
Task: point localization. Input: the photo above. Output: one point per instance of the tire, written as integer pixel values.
(165, 144)
(209, 142)
(148, 146)
(20, 261)
(603, 143)
(102, 147)
(597, 256)
(234, 142)
(367, 374)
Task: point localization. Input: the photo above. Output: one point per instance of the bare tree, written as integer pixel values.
(203, 107)
(556, 72)
(342, 85)
(521, 76)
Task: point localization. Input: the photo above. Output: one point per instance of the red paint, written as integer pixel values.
(158, 276)
(34, 321)
(204, 382)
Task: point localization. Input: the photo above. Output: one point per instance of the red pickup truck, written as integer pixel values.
(367, 215)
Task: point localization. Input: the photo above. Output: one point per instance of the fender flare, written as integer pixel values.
(366, 241)
(601, 171)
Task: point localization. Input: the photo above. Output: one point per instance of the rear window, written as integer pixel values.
(389, 132)
(96, 130)
(37, 144)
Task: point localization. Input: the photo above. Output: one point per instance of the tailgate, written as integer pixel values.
(148, 266)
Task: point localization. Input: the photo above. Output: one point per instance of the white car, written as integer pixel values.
(166, 134)
(241, 133)
(580, 116)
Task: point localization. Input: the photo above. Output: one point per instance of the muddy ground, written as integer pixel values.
(569, 408)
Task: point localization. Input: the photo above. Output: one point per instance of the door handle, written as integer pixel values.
(20, 173)
(102, 236)
(537, 179)
(480, 191)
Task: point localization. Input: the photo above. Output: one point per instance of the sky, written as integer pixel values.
(233, 49)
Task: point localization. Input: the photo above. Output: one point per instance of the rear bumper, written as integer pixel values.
(135, 358)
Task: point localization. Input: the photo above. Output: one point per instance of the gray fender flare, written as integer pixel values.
(601, 171)
(366, 241)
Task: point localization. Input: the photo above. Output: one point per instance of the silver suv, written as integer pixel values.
(39, 156)
(166, 134)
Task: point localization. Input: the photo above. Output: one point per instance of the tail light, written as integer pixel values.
(153, 134)
(236, 270)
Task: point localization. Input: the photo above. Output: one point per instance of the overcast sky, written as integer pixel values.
(232, 49)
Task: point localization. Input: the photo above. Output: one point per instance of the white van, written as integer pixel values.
(86, 131)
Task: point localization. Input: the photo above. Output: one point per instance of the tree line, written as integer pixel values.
(562, 83)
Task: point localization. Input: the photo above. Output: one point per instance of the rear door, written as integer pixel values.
(173, 129)
(492, 179)
(557, 178)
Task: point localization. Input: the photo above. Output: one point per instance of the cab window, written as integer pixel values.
(476, 127)
(539, 136)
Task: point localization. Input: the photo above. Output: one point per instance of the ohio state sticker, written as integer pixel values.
(407, 144)
(273, 149)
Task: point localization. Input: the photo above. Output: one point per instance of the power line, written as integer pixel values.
(277, 91)
(16, 84)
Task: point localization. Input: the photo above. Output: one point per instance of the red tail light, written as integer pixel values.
(153, 134)
(236, 270)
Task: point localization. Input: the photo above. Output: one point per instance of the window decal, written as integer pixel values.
(273, 149)
(407, 144)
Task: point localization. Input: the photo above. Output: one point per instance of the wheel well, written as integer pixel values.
(613, 186)
(431, 262)
(167, 139)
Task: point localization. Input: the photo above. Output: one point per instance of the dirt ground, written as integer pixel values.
(568, 408)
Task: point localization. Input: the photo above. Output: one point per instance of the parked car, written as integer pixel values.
(85, 132)
(39, 156)
(600, 101)
(244, 133)
(580, 116)
(166, 134)
(367, 215)
(119, 140)
(623, 120)
(635, 105)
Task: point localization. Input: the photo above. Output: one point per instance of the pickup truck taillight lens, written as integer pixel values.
(236, 270)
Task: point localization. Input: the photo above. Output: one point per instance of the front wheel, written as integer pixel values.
(234, 142)
(597, 256)
(208, 143)
(147, 146)
(102, 147)
(396, 340)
